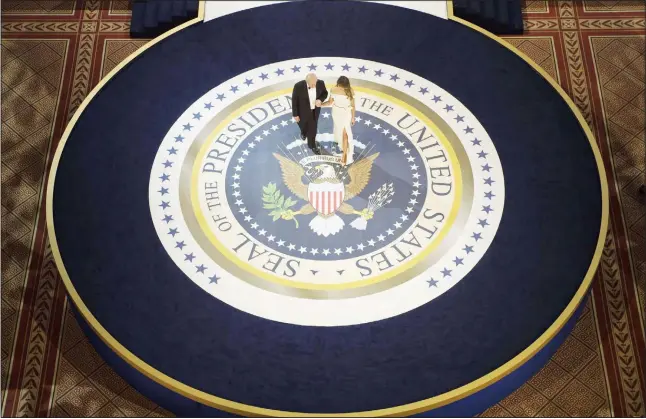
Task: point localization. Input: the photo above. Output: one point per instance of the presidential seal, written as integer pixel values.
(250, 214)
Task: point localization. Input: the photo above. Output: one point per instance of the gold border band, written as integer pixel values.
(403, 410)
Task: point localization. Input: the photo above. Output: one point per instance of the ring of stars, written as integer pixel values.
(170, 157)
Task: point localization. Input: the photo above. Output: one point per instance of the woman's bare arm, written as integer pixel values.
(328, 102)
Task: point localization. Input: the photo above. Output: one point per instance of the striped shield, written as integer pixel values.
(326, 197)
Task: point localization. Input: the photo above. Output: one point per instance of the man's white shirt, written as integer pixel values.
(312, 93)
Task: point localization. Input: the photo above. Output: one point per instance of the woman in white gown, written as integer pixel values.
(342, 102)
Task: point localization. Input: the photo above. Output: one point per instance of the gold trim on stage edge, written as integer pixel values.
(403, 410)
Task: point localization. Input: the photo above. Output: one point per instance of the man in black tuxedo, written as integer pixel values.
(307, 97)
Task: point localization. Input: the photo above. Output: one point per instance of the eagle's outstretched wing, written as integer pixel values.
(292, 176)
(359, 176)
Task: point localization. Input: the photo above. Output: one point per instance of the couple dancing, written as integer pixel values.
(309, 96)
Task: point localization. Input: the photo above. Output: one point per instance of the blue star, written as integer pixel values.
(189, 257)
(488, 181)
(487, 208)
(264, 76)
(214, 279)
(378, 73)
(208, 106)
(409, 83)
(476, 236)
(197, 116)
(163, 191)
(280, 72)
(167, 219)
(312, 67)
(165, 204)
(220, 97)
(446, 272)
(201, 269)
(458, 261)
(346, 67)
(482, 155)
(468, 249)
(483, 223)
(468, 130)
(475, 141)
(168, 164)
(234, 89)
(448, 108)
(164, 177)
(362, 69)
(172, 231)
(187, 127)
(329, 66)
(180, 245)
(179, 139)
(486, 167)
(489, 195)
(459, 118)
(248, 82)
(432, 283)
(172, 150)
(423, 90)
(437, 99)
(394, 77)
(296, 69)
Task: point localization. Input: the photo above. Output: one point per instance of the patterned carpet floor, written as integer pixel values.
(54, 52)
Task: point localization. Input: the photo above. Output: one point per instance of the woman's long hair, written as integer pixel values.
(344, 82)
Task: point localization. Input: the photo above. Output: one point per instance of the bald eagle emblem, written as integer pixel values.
(330, 185)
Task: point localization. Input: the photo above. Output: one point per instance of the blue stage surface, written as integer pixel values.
(219, 265)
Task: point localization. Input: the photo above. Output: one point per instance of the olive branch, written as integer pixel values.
(274, 200)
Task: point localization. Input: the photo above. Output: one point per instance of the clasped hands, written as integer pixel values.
(320, 103)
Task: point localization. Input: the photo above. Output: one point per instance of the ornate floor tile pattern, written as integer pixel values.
(536, 6)
(617, 6)
(119, 8)
(117, 50)
(622, 83)
(39, 7)
(577, 381)
(30, 95)
(541, 50)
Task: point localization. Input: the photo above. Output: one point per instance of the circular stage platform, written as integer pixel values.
(218, 264)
